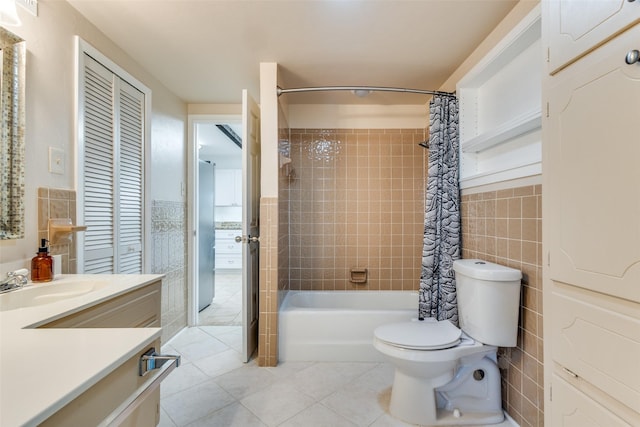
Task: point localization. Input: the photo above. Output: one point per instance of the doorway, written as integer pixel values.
(216, 204)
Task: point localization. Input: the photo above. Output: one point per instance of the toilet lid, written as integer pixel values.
(420, 335)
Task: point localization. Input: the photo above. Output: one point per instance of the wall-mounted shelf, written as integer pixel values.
(504, 132)
(500, 108)
(62, 227)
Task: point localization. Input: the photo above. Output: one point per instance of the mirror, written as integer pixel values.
(12, 107)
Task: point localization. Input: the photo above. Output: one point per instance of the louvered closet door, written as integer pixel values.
(112, 176)
(130, 195)
(98, 165)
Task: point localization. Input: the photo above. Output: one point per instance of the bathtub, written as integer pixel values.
(325, 326)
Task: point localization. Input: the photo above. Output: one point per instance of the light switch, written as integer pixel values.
(56, 160)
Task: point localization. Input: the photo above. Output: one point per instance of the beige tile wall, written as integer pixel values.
(506, 227)
(269, 294)
(356, 200)
(56, 203)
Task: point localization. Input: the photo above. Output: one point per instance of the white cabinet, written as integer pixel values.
(228, 187)
(123, 394)
(228, 251)
(591, 206)
(136, 309)
(579, 26)
(594, 108)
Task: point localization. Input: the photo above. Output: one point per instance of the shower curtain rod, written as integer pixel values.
(281, 91)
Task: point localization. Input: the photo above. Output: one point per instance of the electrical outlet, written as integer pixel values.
(30, 5)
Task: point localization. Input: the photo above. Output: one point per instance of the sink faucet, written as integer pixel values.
(14, 280)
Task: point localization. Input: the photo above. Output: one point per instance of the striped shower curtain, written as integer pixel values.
(441, 245)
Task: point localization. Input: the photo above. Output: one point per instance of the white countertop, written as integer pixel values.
(41, 370)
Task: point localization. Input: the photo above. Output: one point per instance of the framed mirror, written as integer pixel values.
(12, 144)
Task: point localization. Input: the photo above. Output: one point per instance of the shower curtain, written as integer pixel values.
(441, 244)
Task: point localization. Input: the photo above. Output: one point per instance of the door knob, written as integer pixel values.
(250, 239)
(632, 56)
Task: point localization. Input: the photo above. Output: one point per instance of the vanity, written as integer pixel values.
(70, 352)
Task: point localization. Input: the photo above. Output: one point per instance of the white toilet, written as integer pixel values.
(449, 376)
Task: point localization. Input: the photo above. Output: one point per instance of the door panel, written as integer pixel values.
(250, 222)
(581, 319)
(576, 409)
(577, 26)
(593, 109)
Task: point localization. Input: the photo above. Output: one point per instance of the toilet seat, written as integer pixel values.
(420, 335)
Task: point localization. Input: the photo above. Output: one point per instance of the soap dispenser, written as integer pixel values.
(42, 264)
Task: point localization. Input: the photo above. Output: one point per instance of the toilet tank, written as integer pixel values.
(488, 301)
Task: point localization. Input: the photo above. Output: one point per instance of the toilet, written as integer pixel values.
(445, 375)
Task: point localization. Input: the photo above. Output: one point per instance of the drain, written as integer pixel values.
(478, 375)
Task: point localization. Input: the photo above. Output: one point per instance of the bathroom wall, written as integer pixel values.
(169, 242)
(50, 112)
(356, 200)
(505, 226)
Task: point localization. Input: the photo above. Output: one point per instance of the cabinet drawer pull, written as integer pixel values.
(570, 372)
(152, 360)
(632, 56)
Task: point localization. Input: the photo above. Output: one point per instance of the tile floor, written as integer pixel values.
(213, 387)
(226, 308)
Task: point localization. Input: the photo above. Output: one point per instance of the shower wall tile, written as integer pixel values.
(505, 227)
(355, 200)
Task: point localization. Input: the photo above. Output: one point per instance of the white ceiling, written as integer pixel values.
(215, 145)
(207, 51)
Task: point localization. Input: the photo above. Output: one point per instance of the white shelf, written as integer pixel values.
(503, 133)
(500, 108)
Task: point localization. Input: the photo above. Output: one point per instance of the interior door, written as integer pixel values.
(250, 223)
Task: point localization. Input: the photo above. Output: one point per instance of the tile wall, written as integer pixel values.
(56, 203)
(356, 200)
(169, 257)
(506, 227)
(269, 294)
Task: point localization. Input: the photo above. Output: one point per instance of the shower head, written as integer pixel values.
(424, 144)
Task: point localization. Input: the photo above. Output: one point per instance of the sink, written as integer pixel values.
(40, 294)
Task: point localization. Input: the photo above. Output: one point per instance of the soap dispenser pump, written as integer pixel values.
(42, 264)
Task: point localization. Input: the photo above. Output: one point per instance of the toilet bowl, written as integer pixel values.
(445, 375)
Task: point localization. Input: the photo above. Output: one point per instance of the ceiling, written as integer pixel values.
(207, 51)
(213, 144)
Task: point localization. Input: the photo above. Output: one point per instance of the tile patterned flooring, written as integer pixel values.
(212, 387)
(226, 308)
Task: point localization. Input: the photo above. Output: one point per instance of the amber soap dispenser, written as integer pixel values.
(42, 264)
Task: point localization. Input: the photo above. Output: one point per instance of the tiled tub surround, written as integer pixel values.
(356, 200)
(169, 257)
(57, 203)
(505, 227)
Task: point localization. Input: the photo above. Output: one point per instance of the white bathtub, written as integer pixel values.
(338, 326)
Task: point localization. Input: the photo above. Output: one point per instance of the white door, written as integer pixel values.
(250, 223)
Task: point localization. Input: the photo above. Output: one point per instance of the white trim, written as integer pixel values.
(519, 171)
(503, 185)
(192, 206)
(81, 48)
